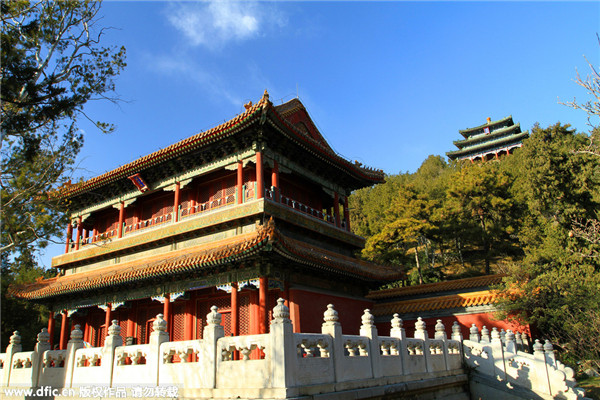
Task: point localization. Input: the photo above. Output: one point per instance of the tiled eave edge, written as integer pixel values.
(228, 128)
(154, 268)
(465, 132)
(318, 258)
(159, 269)
(493, 135)
(277, 122)
(461, 300)
(161, 232)
(437, 287)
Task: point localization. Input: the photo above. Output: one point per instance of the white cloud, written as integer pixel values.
(183, 68)
(215, 23)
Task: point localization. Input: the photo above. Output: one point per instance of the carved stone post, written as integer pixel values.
(421, 333)
(333, 328)
(213, 331)
(74, 344)
(11, 349)
(369, 330)
(518, 341)
(474, 333)
(510, 342)
(157, 337)
(485, 335)
(42, 345)
(549, 352)
(283, 353)
(111, 342)
(456, 334)
(440, 330)
(440, 334)
(539, 372)
(397, 331)
(498, 355)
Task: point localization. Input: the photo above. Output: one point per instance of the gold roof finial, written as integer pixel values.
(265, 96)
(248, 105)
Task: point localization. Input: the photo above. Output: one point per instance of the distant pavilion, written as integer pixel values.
(489, 141)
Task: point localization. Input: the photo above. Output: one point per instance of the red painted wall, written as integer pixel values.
(312, 305)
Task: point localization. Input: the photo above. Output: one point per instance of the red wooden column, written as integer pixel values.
(263, 313)
(121, 220)
(286, 293)
(275, 181)
(336, 209)
(69, 236)
(86, 331)
(260, 181)
(235, 330)
(94, 234)
(191, 202)
(240, 182)
(176, 201)
(107, 317)
(131, 320)
(347, 213)
(188, 329)
(51, 323)
(64, 334)
(79, 230)
(294, 312)
(167, 314)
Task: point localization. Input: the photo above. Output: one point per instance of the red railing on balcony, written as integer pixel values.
(249, 193)
(303, 208)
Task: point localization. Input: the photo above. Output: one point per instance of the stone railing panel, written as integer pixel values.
(436, 356)
(131, 366)
(248, 371)
(391, 357)
(356, 362)
(53, 369)
(23, 370)
(415, 353)
(314, 359)
(453, 354)
(185, 361)
(88, 365)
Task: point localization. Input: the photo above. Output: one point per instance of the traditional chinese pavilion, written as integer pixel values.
(488, 141)
(237, 216)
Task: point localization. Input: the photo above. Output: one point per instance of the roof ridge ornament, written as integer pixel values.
(265, 97)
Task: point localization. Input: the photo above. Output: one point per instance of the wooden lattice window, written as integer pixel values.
(178, 319)
(244, 314)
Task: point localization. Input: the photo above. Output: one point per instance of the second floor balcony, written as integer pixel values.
(189, 210)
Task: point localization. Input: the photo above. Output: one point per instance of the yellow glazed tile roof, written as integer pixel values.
(457, 284)
(461, 300)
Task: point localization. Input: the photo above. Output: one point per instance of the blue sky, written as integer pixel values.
(387, 83)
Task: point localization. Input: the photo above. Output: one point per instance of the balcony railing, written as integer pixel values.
(248, 193)
(303, 208)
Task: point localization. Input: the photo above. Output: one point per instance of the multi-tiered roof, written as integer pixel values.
(224, 243)
(490, 140)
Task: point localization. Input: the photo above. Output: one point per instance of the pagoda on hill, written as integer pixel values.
(489, 141)
(237, 216)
